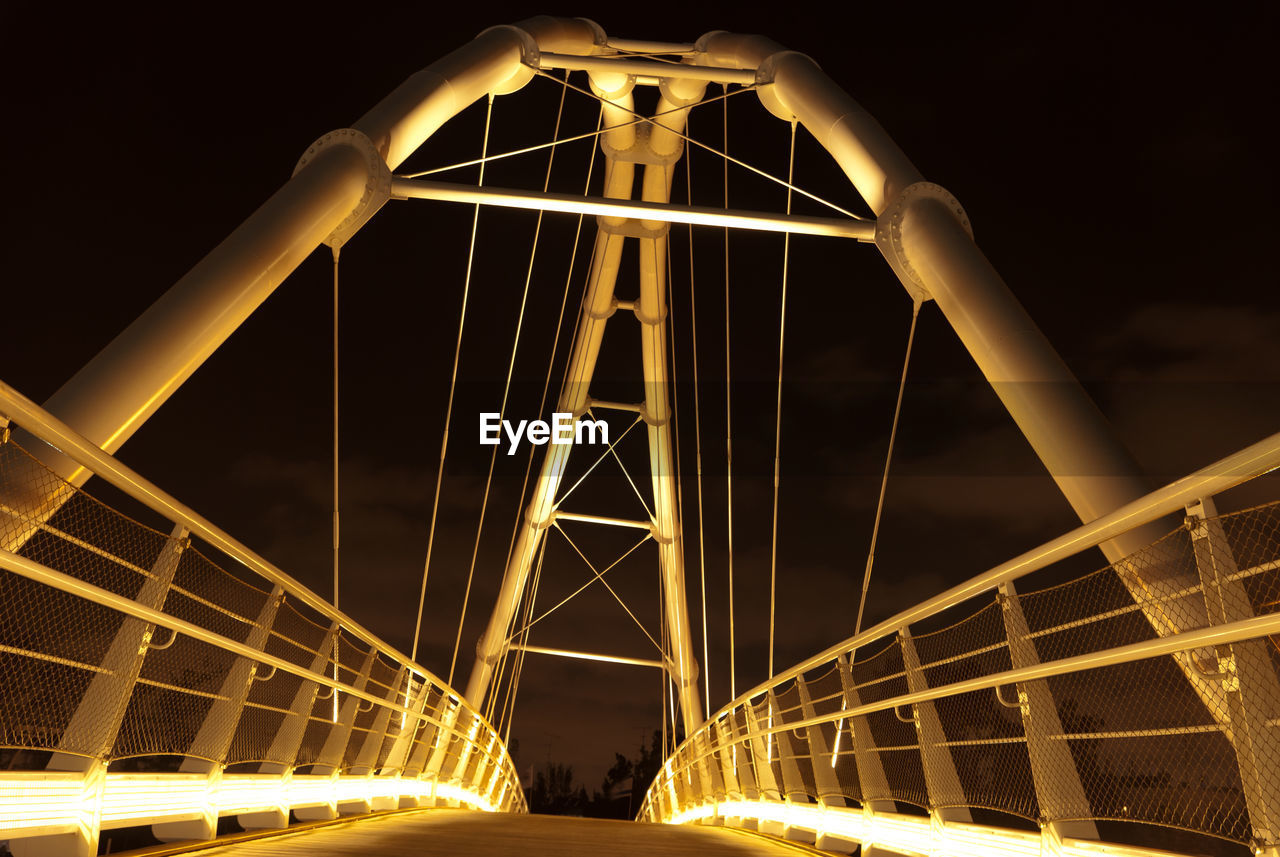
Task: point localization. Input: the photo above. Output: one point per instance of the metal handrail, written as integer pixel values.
(1249, 463)
(48, 428)
(494, 772)
(1216, 635)
(668, 800)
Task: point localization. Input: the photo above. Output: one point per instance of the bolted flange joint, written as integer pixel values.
(377, 188)
(530, 59)
(889, 232)
(765, 89)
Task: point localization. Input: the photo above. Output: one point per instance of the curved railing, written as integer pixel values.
(1044, 711)
(156, 672)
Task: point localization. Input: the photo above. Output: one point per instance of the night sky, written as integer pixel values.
(1118, 168)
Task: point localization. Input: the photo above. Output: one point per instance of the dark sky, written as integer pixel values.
(1118, 167)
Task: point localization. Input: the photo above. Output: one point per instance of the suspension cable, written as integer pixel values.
(546, 388)
(514, 687)
(448, 413)
(533, 252)
(612, 591)
(493, 458)
(697, 434)
(518, 657)
(572, 595)
(662, 597)
(627, 473)
(728, 416)
(337, 248)
(675, 428)
(602, 457)
(777, 427)
(719, 153)
(884, 481)
(555, 343)
(639, 120)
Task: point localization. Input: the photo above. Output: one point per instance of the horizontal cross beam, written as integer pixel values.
(589, 656)
(602, 519)
(648, 68)
(698, 215)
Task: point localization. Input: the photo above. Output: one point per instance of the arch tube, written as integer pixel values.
(121, 387)
(1092, 468)
(925, 236)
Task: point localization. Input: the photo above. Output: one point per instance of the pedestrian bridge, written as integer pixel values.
(158, 673)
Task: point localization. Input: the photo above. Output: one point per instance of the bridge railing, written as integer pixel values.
(154, 671)
(1030, 710)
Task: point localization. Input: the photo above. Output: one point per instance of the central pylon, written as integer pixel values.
(656, 146)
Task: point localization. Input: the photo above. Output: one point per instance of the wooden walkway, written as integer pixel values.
(463, 832)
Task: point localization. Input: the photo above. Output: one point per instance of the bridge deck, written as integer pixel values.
(462, 832)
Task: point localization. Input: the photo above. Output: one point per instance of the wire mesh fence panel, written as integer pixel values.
(1187, 781)
(825, 688)
(1253, 540)
(972, 647)
(174, 696)
(846, 764)
(904, 772)
(988, 747)
(268, 707)
(383, 681)
(1090, 614)
(350, 655)
(41, 697)
(804, 762)
(230, 603)
(316, 734)
(52, 645)
(880, 675)
(46, 520)
(1158, 756)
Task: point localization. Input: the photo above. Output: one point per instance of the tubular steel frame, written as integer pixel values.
(345, 177)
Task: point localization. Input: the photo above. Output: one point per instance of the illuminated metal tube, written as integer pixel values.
(649, 68)
(903, 834)
(602, 519)
(589, 656)
(119, 389)
(662, 212)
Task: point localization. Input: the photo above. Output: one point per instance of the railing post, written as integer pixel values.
(726, 759)
(92, 729)
(441, 741)
(793, 787)
(712, 774)
(423, 743)
(1248, 679)
(740, 756)
(335, 745)
(824, 772)
(207, 753)
(459, 769)
(792, 783)
(284, 747)
(946, 795)
(398, 757)
(366, 760)
(872, 782)
(762, 751)
(1064, 807)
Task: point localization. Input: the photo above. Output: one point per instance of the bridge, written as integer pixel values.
(161, 674)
